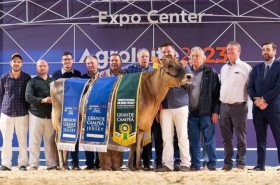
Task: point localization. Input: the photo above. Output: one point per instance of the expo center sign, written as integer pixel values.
(152, 18)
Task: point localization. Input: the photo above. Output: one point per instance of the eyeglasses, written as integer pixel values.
(65, 59)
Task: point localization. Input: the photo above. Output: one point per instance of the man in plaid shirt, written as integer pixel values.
(14, 113)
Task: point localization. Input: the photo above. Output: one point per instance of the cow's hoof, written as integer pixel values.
(130, 168)
(65, 168)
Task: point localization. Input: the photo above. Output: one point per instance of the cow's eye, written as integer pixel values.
(170, 66)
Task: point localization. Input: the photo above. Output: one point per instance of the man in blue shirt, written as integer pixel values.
(14, 113)
(174, 114)
(143, 57)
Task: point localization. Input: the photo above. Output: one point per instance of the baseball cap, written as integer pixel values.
(16, 55)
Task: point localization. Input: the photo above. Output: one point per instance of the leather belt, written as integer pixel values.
(232, 104)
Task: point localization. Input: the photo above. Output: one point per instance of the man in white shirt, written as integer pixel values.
(233, 110)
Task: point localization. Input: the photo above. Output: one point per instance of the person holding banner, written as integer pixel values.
(92, 63)
(115, 66)
(234, 109)
(174, 114)
(142, 65)
(67, 71)
(37, 94)
(264, 91)
(14, 113)
(113, 158)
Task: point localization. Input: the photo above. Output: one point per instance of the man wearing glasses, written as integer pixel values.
(67, 71)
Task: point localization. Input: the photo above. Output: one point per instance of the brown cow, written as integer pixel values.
(153, 88)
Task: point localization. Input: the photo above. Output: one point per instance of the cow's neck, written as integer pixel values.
(156, 87)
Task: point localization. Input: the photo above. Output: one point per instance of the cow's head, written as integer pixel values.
(175, 69)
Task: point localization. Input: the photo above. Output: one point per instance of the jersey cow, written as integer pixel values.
(153, 89)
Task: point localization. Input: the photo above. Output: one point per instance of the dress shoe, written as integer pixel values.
(163, 169)
(53, 168)
(22, 168)
(193, 169)
(158, 166)
(4, 168)
(146, 168)
(240, 166)
(33, 168)
(227, 167)
(185, 169)
(212, 168)
(89, 168)
(76, 168)
(258, 168)
(177, 167)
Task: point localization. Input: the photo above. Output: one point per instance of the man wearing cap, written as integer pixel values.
(14, 113)
(67, 71)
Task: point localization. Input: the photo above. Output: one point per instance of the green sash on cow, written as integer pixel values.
(126, 109)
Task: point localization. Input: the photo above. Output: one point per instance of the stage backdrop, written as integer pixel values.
(45, 29)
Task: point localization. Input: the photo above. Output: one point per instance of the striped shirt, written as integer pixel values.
(135, 68)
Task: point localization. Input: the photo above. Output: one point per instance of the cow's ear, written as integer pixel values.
(184, 62)
(156, 62)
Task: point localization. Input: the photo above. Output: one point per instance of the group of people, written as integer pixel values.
(185, 122)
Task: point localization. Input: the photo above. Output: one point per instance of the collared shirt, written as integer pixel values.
(234, 81)
(36, 90)
(108, 73)
(87, 75)
(63, 71)
(63, 74)
(12, 92)
(266, 64)
(177, 97)
(135, 68)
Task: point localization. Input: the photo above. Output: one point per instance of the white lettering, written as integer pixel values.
(124, 19)
(135, 18)
(150, 14)
(102, 16)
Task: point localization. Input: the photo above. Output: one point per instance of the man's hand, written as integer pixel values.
(263, 106)
(47, 100)
(258, 101)
(215, 118)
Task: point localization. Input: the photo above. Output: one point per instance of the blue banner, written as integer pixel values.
(73, 89)
(94, 136)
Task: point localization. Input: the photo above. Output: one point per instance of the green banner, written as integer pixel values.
(126, 109)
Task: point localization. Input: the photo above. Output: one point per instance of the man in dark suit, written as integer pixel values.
(264, 90)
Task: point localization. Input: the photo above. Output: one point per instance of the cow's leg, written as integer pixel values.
(105, 160)
(117, 160)
(65, 160)
(139, 145)
(131, 157)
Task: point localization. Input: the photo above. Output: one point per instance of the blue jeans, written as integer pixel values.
(196, 126)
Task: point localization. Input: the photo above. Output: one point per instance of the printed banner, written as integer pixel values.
(126, 109)
(97, 114)
(73, 90)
